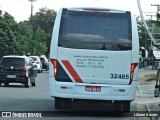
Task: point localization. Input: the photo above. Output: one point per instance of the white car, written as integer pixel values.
(37, 63)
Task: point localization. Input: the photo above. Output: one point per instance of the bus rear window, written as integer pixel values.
(95, 30)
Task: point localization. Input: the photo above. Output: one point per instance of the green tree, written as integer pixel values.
(142, 32)
(24, 37)
(38, 45)
(45, 20)
(7, 35)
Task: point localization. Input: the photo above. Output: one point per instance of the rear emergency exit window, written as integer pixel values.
(95, 30)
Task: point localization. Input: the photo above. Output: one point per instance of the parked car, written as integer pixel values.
(17, 69)
(45, 63)
(37, 63)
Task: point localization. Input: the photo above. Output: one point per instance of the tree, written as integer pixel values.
(44, 19)
(141, 32)
(143, 35)
(7, 34)
(24, 37)
(38, 45)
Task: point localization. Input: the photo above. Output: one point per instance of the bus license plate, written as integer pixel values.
(93, 88)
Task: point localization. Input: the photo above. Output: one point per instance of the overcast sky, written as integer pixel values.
(21, 9)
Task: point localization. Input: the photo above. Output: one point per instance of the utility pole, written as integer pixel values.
(31, 9)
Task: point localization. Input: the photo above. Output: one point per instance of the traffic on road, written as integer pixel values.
(17, 98)
(92, 70)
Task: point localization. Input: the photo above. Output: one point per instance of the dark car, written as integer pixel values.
(45, 63)
(17, 69)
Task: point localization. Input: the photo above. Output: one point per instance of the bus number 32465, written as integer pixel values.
(119, 76)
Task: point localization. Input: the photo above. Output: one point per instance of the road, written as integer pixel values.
(16, 97)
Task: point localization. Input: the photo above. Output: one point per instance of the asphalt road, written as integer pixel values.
(17, 98)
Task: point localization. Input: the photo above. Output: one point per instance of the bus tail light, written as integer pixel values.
(133, 67)
(54, 62)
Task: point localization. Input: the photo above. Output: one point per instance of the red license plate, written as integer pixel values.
(93, 88)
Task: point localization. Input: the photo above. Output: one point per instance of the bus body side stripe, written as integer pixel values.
(72, 71)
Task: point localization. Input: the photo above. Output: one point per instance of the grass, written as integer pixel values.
(150, 77)
(147, 78)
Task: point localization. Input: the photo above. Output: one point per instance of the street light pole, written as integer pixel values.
(31, 21)
(31, 9)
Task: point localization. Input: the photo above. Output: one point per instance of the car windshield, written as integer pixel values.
(16, 62)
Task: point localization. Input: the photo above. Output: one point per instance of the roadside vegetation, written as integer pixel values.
(30, 36)
(154, 26)
(147, 78)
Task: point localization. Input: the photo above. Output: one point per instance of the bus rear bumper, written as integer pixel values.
(93, 91)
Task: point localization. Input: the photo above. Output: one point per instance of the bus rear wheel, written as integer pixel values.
(122, 106)
(61, 103)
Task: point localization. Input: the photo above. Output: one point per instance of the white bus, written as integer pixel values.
(94, 55)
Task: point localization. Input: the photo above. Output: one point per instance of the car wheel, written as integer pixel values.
(122, 106)
(126, 106)
(26, 83)
(58, 103)
(67, 103)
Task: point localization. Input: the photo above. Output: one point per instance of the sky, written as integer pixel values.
(21, 9)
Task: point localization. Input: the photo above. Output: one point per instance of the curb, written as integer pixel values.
(139, 89)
